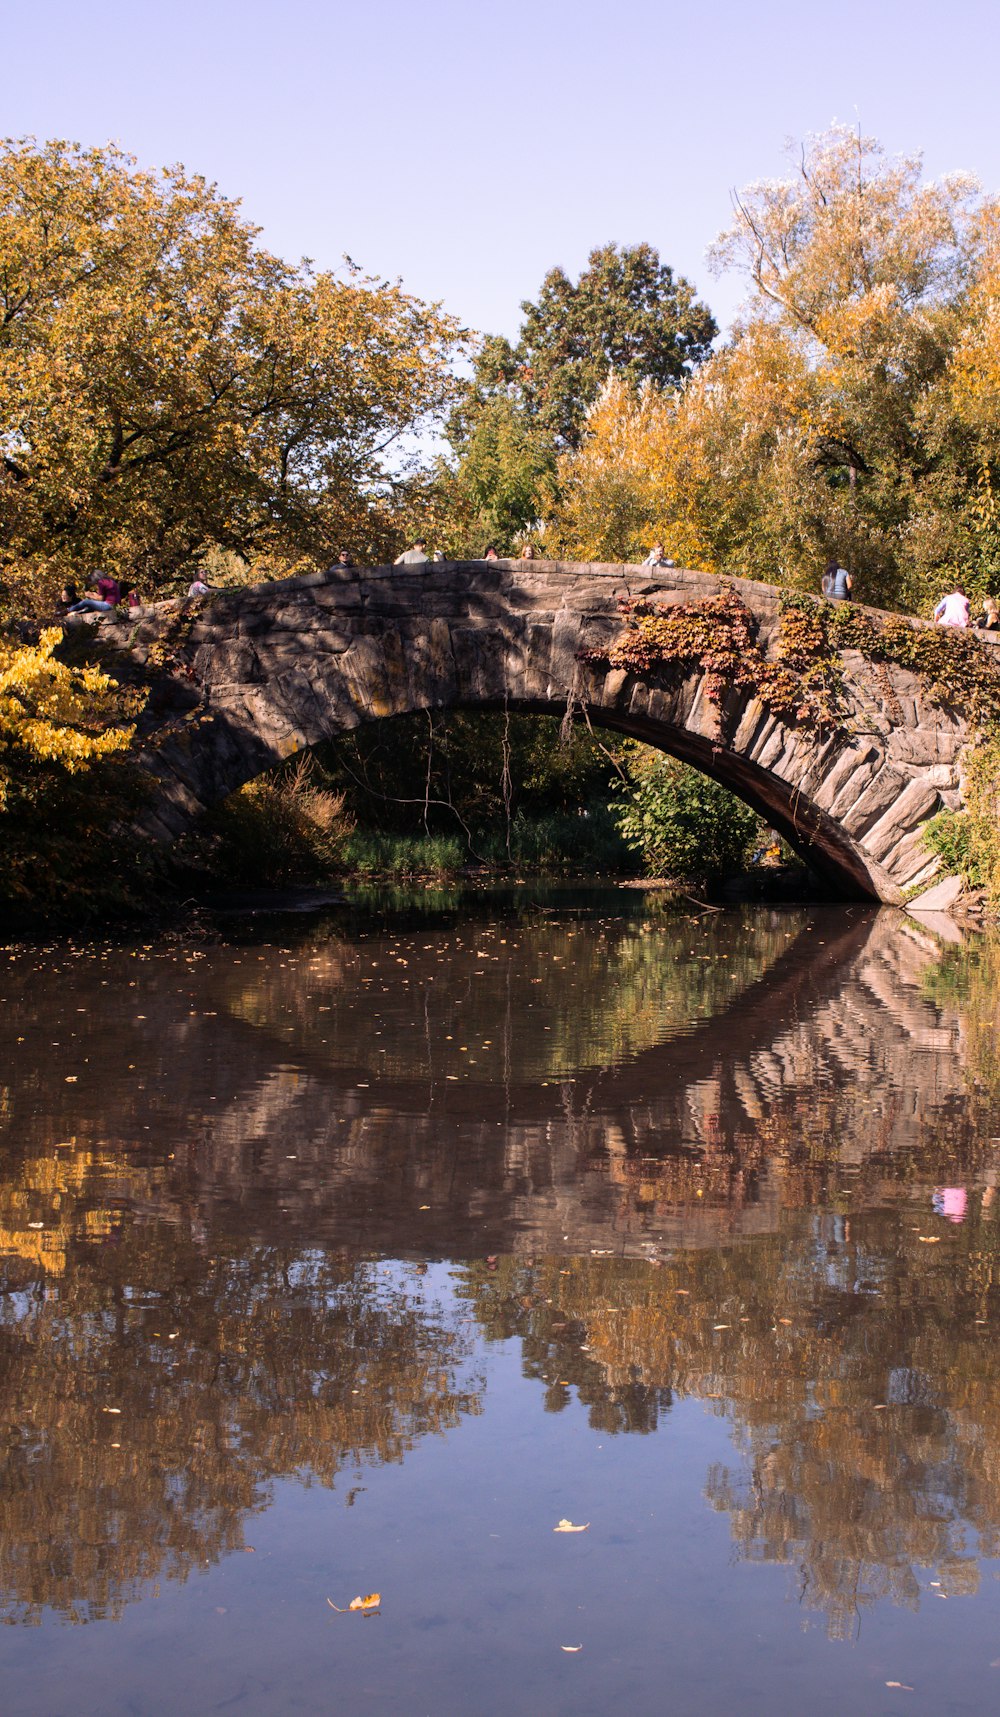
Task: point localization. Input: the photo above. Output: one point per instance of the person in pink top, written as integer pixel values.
(953, 610)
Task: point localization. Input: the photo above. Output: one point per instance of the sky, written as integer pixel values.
(467, 149)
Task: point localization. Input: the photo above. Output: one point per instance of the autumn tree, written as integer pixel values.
(847, 413)
(627, 316)
(167, 384)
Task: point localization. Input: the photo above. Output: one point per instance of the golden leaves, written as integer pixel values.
(372, 1601)
(173, 384)
(54, 713)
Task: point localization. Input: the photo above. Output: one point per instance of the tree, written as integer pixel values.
(626, 316)
(849, 414)
(167, 384)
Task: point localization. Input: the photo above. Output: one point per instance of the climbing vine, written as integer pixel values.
(803, 679)
(718, 638)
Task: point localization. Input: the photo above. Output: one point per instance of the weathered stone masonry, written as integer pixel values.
(258, 674)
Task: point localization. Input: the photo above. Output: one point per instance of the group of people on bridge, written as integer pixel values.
(105, 592)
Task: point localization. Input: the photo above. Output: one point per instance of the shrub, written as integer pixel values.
(66, 795)
(284, 827)
(682, 823)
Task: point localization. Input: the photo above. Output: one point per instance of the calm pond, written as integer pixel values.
(353, 1254)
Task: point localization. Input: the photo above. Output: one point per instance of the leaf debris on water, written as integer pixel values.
(567, 1526)
(371, 1601)
(571, 1648)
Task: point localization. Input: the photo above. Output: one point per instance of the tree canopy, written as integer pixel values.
(852, 412)
(167, 384)
(628, 316)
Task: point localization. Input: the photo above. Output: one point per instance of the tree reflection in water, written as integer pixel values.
(710, 1178)
(154, 1393)
(856, 1361)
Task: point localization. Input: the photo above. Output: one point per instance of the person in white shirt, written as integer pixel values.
(656, 557)
(415, 556)
(953, 610)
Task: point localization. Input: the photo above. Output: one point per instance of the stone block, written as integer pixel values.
(885, 789)
(848, 774)
(913, 807)
(939, 898)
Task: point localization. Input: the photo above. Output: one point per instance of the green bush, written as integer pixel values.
(681, 822)
(950, 835)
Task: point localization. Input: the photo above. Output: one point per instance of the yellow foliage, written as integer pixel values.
(638, 476)
(53, 713)
(167, 383)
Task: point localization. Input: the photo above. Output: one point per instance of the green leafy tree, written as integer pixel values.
(628, 315)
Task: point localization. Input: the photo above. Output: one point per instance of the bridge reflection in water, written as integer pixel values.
(747, 1159)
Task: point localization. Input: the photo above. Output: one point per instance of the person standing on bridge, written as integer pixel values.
(953, 610)
(656, 557)
(415, 556)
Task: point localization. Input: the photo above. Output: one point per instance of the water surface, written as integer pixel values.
(352, 1255)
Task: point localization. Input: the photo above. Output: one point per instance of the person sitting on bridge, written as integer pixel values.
(199, 588)
(953, 610)
(991, 614)
(415, 556)
(344, 560)
(656, 557)
(96, 602)
(527, 553)
(837, 582)
(491, 553)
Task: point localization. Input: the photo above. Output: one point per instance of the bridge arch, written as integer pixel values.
(254, 675)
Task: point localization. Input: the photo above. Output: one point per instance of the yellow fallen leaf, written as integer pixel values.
(929, 1240)
(567, 1526)
(371, 1602)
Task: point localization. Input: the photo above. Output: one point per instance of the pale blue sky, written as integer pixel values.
(467, 149)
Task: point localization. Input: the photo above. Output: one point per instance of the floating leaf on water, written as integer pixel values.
(571, 1648)
(567, 1526)
(370, 1602)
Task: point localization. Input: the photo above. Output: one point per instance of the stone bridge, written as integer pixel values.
(257, 674)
